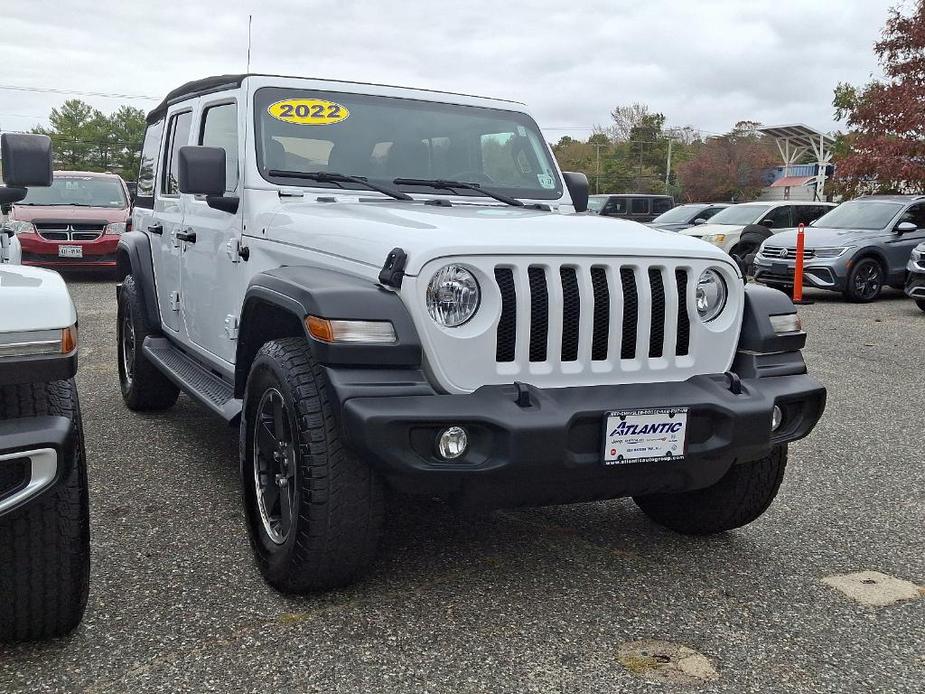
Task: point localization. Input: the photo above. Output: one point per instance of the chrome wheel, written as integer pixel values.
(868, 279)
(274, 465)
(128, 348)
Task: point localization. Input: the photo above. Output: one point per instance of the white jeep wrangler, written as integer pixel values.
(394, 288)
(44, 517)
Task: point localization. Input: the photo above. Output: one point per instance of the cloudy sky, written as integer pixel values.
(703, 63)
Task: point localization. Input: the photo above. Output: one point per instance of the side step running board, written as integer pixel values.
(194, 379)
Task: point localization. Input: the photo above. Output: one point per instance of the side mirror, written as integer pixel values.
(577, 184)
(769, 223)
(906, 227)
(699, 221)
(26, 160)
(201, 171)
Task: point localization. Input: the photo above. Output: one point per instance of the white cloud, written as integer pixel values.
(706, 64)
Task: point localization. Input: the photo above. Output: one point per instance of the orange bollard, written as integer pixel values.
(798, 269)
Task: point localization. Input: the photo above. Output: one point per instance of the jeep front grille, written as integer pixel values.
(587, 296)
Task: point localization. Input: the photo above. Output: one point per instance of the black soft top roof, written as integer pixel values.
(195, 88)
(218, 83)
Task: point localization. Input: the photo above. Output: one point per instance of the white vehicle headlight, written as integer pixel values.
(115, 228)
(829, 252)
(711, 295)
(453, 296)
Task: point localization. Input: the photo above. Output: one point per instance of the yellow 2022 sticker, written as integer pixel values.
(308, 111)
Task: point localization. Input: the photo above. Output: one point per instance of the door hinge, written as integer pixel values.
(237, 251)
(174, 301)
(231, 326)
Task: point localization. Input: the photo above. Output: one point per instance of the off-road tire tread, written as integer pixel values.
(45, 546)
(340, 519)
(741, 495)
(151, 390)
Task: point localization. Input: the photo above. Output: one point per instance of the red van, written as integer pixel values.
(76, 223)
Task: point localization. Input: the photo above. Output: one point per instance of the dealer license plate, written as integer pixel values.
(645, 436)
(70, 252)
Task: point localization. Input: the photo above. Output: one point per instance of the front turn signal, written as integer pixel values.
(350, 331)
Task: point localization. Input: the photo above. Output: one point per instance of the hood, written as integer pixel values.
(677, 226)
(821, 237)
(32, 298)
(702, 230)
(67, 213)
(368, 231)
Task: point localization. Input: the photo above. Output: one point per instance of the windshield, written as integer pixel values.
(596, 204)
(859, 214)
(740, 214)
(384, 138)
(84, 191)
(677, 215)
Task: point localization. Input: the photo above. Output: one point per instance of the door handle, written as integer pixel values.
(156, 229)
(188, 236)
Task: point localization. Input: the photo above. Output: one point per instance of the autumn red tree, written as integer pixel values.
(729, 167)
(884, 148)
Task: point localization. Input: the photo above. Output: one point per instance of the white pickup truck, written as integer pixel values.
(384, 287)
(44, 516)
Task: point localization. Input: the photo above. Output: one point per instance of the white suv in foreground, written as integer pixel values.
(44, 516)
(384, 287)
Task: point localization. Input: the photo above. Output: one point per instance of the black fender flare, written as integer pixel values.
(876, 253)
(290, 294)
(757, 334)
(133, 257)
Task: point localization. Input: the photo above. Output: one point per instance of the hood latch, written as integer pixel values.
(393, 270)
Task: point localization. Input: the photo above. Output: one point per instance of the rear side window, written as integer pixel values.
(615, 206)
(779, 218)
(660, 205)
(639, 206)
(147, 167)
(804, 214)
(177, 137)
(220, 129)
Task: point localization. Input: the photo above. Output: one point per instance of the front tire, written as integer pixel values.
(144, 387)
(741, 495)
(45, 545)
(865, 281)
(315, 511)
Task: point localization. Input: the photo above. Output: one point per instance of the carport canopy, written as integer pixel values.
(794, 141)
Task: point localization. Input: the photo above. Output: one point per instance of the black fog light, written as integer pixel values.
(452, 443)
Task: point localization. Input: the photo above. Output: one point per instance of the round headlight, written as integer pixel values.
(452, 296)
(711, 295)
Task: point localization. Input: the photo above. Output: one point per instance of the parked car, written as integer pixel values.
(687, 215)
(75, 223)
(740, 229)
(44, 516)
(915, 281)
(640, 207)
(371, 314)
(855, 249)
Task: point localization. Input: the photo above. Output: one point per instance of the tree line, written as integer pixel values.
(881, 151)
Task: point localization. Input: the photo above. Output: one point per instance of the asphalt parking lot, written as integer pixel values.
(541, 600)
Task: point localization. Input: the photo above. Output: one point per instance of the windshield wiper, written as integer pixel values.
(334, 177)
(452, 185)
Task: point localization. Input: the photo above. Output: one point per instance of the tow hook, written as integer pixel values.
(735, 383)
(522, 399)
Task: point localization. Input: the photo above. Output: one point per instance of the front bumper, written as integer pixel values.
(821, 274)
(551, 450)
(99, 253)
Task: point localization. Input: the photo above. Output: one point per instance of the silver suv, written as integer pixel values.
(855, 249)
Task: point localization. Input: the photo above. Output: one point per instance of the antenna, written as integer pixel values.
(250, 19)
